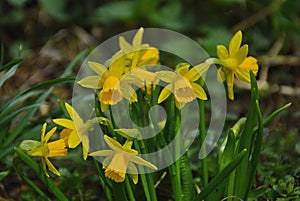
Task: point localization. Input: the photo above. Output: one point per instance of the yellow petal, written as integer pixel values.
(74, 139)
(49, 134)
(124, 45)
(183, 70)
(222, 52)
(64, 135)
(43, 131)
(150, 56)
(221, 75)
(230, 80)
(250, 63)
(235, 43)
(117, 66)
(231, 63)
(137, 39)
(98, 68)
(93, 82)
(102, 153)
(167, 76)
(73, 114)
(242, 75)
(67, 123)
(129, 93)
(117, 147)
(133, 172)
(197, 71)
(179, 105)
(51, 167)
(199, 91)
(103, 107)
(242, 54)
(85, 152)
(164, 94)
(140, 161)
(44, 166)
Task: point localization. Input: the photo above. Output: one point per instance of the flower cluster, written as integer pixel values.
(117, 79)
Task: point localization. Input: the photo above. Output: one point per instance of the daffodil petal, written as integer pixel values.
(73, 114)
(43, 131)
(107, 160)
(124, 45)
(235, 43)
(197, 71)
(103, 107)
(250, 63)
(74, 139)
(140, 161)
(93, 82)
(113, 144)
(165, 93)
(49, 134)
(242, 53)
(117, 66)
(129, 93)
(44, 166)
(102, 153)
(242, 75)
(51, 167)
(137, 39)
(230, 63)
(222, 52)
(167, 76)
(133, 172)
(85, 152)
(183, 70)
(199, 91)
(221, 75)
(67, 123)
(230, 81)
(179, 105)
(98, 68)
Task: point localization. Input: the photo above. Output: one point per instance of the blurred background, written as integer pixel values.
(48, 34)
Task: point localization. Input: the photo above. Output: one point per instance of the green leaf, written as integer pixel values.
(219, 178)
(245, 141)
(10, 64)
(3, 174)
(8, 74)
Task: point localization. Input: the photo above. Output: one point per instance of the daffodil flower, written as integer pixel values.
(45, 149)
(75, 129)
(145, 80)
(137, 54)
(182, 84)
(120, 158)
(235, 63)
(113, 88)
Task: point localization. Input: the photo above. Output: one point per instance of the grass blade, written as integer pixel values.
(213, 184)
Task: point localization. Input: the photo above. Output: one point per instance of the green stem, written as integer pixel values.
(202, 130)
(129, 190)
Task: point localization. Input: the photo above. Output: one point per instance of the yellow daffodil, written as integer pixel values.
(113, 88)
(75, 129)
(235, 63)
(119, 159)
(45, 149)
(182, 84)
(145, 80)
(137, 54)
